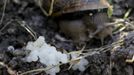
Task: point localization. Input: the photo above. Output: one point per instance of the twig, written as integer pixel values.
(28, 29)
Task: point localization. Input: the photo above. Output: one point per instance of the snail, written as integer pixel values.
(77, 29)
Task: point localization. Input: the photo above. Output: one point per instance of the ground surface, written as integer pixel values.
(111, 59)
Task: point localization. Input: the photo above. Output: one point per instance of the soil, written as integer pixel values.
(19, 15)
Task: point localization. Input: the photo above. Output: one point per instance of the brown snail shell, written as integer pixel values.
(69, 6)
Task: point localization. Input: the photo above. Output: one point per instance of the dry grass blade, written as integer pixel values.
(51, 8)
(48, 68)
(9, 70)
(28, 29)
(127, 13)
(130, 60)
(3, 13)
(89, 53)
(44, 11)
(39, 70)
(9, 22)
(40, 5)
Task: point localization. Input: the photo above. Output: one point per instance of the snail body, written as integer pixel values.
(75, 29)
(98, 26)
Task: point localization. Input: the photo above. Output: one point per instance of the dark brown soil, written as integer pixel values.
(109, 60)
